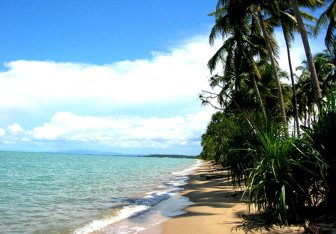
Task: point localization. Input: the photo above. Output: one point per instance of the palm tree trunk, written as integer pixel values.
(296, 118)
(305, 117)
(304, 37)
(257, 73)
(275, 70)
(259, 96)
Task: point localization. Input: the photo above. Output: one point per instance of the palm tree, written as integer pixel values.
(326, 71)
(332, 51)
(267, 29)
(231, 21)
(286, 20)
(304, 37)
(269, 89)
(305, 94)
(295, 111)
(328, 15)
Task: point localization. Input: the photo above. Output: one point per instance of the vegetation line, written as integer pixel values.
(277, 140)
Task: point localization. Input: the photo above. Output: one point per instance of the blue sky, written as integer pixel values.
(100, 31)
(106, 75)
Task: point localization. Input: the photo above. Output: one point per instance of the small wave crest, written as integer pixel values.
(189, 170)
(125, 213)
(139, 206)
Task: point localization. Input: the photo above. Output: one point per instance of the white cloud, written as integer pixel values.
(296, 51)
(169, 77)
(60, 100)
(177, 74)
(2, 132)
(126, 131)
(15, 129)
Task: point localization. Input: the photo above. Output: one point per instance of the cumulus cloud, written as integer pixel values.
(127, 131)
(54, 88)
(177, 74)
(15, 129)
(59, 100)
(2, 132)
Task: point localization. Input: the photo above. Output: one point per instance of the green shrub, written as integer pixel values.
(278, 180)
(323, 139)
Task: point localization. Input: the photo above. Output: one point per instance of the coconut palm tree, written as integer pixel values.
(304, 37)
(287, 22)
(234, 27)
(305, 94)
(269, 89)
(332, 51)
(289, 36)
(328, 15)
(271, 45)
(326, 71)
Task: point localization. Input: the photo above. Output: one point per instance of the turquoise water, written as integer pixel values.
(50, 193)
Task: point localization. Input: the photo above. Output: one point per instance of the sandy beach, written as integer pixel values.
(217, 208)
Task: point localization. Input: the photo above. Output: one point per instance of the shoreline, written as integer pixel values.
(216, 208)
(216, 205)
(161, 203)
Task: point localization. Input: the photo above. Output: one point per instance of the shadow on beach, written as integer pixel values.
(219, 207)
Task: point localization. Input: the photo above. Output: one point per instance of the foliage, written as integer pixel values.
(326, 70)
(227, 141)
(284, 176)
(323, 135)
(279, 180)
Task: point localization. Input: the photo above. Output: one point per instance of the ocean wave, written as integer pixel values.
(138, 206)
(189, 170)
(125, 213)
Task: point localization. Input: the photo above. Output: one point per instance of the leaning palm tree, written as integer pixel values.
(288, 32)
(328, 15)
(304, 37)
(257, 11)
(286, 20)
(234, 28)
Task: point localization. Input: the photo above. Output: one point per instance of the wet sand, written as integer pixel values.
(217, 208)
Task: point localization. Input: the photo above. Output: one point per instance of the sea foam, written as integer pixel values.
(144, 204)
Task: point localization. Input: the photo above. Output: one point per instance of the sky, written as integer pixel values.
(109, 76)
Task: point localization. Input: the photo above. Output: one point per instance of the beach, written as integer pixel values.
(130, 195)
(217, 208)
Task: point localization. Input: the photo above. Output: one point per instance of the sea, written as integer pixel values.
(68, 193)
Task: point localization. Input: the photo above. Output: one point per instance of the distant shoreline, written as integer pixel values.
(169, 156)
(103, 153)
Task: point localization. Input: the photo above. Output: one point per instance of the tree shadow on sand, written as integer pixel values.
(257, 223)
(251, 223)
